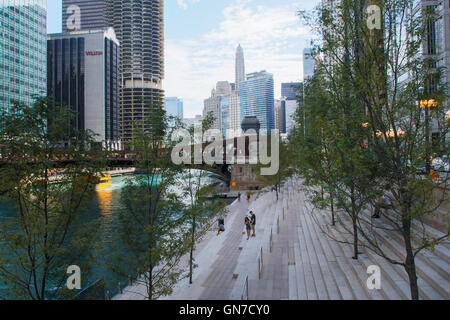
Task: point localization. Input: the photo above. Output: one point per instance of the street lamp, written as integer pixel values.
(427, 104)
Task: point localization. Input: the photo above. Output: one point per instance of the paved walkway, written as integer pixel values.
(300, 260)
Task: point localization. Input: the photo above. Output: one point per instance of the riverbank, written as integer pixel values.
(292, 258)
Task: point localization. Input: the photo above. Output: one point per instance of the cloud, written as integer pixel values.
(183, 4)
(272, 38)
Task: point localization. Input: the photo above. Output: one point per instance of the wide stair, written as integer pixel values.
(310, 260)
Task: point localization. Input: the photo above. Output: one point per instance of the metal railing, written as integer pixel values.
(260, 263)
(278, 225)
(244, 295)
(271, 240)
(245, 289)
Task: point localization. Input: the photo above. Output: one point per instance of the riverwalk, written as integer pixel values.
(292, 258)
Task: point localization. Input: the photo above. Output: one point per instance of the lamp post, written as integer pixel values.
(427, 104)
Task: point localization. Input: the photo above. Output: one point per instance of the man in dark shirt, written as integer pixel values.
(253, 222)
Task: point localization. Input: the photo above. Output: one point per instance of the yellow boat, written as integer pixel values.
(105, 182)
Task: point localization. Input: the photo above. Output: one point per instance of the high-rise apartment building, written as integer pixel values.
(83, 74)
(239, 67)
(215, 106)
(211, 107)
(139, 26)
(257, 98)
(23, 51)
(91, 14)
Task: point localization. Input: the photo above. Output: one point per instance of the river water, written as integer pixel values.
(104, 205)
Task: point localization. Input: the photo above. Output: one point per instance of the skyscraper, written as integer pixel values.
(23, 51)
(290, 90)
(289, 99)
(308, 63)
(83, 74)
(240, 67)
(214, 106)
(139, 26)
(174, 107)
(280, 115)
(235, 115)
(91, 14)
(257, 98)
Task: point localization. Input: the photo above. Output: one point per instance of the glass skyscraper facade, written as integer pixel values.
(225, 114)
(257, 98)
(83, 74)
(23, 51)
(291, 90)
(174, 107)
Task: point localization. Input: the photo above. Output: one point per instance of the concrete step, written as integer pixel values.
(427, 286)
(343, 258)
(359, 266)
(437, 259)
(389, 289)
(398, 269)
(434, 274)
(344, 289)
(424, 271)
(330, 282)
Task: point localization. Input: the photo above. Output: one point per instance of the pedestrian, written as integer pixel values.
(248, 197)
(221, 227)
(247, 226)
(253, 222)
(383, 203)
(239, 196)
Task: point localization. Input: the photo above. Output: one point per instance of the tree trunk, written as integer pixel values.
(333, 222)
(355, 227)
(191, 254)
(355, 238)
(410, 264)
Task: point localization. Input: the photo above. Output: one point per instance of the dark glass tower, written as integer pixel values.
(83, 74)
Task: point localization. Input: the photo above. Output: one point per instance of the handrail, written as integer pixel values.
(278, 225)
(270, 243)
(245, 291)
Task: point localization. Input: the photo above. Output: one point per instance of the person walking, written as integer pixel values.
(253, 222)
(247, 226)
(221, 228)
(248, 197)
(383, 203)
(239, 196)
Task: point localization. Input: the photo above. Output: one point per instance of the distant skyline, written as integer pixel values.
(197, 55)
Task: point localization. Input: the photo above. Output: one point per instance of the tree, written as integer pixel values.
(381, 115)
(42, 236)
(284, 172)
(152, 226)
(200, 212)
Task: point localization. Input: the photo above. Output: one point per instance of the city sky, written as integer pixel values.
(201, 37)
